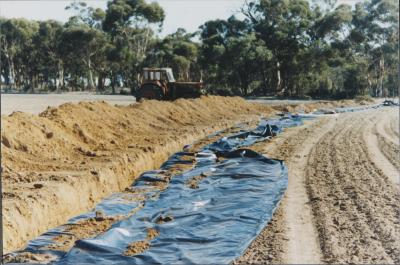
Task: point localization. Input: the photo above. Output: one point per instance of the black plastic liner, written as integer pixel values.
(211, 224)
(266, 130)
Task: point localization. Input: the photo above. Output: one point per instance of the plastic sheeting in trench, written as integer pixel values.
(214, 223)
(211, 224)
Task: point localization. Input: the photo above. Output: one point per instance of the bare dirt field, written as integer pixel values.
(342, 201)
(36, 103)
(341, 204)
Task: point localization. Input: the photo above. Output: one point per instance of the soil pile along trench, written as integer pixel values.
(63, 161)
(178, 214)
(68, 158)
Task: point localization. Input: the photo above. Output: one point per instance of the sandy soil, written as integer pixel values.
(342, 201)
(387, 137)
(291, 236)
(356, 206)
(62, 162)
(36, 103)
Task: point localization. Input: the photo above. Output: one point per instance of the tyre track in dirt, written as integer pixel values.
(388, 140)
(394, 125)
(349, 209)
(389, 150)
(355, 204)
(291, 236)
(386, 127)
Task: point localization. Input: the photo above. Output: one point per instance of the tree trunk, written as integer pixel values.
(100, 82)
(278, 79)
(371, 92)
(265, 85)
(7, 80)
(56, 83)
(381, 76)
(90, 78)
(12, 71)
(244, 84)
(61, 77)
(137, 79)
(18, 81)
(113, 83)
(136, 84)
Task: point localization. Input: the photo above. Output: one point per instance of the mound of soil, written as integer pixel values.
(61, 162)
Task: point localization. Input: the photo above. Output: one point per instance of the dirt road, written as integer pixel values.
(36, 103)
(342, 202)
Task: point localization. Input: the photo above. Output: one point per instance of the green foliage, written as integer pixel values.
(123, 13)
(294, 48)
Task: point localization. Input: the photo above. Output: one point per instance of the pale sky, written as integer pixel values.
(188, 14)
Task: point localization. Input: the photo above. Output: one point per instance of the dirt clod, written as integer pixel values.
(99, 216)
(38, 185)
(193, 182)
(27, 257)
(139, 247)
(49, 135)
(164, 219)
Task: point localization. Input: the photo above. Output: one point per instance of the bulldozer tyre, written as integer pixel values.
(149, 91)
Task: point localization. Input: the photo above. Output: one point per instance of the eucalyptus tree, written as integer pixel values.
(361, 39)
(16, 40)
(129, 22)
(375, 33)
(284, 28)
(82, 46)
(93, 17)
(177, 51)
(281, 47)
(47, 60)
(216, 36)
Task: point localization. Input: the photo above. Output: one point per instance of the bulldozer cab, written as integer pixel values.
(158, 74)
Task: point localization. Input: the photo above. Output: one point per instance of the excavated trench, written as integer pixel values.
(83, 153)
(170, 211)
(114, 221)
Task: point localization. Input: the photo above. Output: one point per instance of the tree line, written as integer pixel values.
(292, 48)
